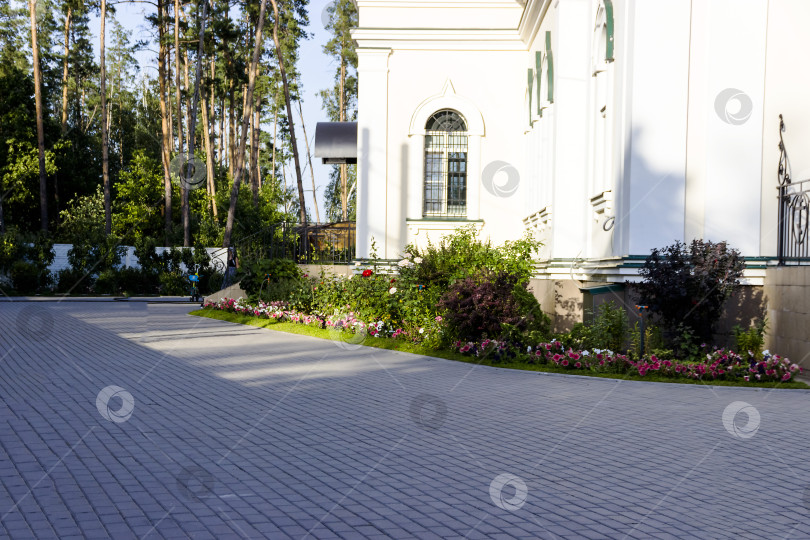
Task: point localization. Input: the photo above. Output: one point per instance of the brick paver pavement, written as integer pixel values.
(214, 430)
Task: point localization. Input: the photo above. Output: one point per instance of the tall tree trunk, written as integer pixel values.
(212, 99)
(275, 136)
(43, 188)
(209, 161)
(257, 49)
(222, 151)
(192, 125)
(254, 155)
(296, 158)
(344, 195)
(105, 136)
(164, 122)
(184, 214)
(68, 17)
(309, 161)
(231, 130)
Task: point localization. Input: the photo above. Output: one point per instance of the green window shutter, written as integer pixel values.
(609, 33)
(531, 91)
(538, 61)
(549, 68)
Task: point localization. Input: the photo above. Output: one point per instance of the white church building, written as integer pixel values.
(607, 127)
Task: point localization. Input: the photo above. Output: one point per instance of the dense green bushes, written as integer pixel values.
(24, 260)
(442, 292)
(95, 267)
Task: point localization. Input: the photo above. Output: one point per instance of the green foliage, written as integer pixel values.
(653, 342)
(271, 279)
(463, 254)
(483, 304)
(83, 218)
(688, 285)
(751, 340)
(609, 330)
(138, 201)
(24, 259)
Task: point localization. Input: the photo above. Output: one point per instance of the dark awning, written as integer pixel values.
(336, 142)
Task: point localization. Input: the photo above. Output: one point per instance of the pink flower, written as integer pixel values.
(786, 377)
(565, 362)
(578, 365)
(557, 358)
(746, 378)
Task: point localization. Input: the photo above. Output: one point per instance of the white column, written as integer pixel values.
(654, 215)
(372, 156)
(571, 53)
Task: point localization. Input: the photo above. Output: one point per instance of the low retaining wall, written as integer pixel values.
(787, 290)
(128, 259)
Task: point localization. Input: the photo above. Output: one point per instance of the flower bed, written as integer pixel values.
(720, 364)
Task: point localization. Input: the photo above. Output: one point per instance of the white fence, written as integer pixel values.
(128, 259)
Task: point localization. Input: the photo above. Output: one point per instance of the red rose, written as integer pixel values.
(367, 273)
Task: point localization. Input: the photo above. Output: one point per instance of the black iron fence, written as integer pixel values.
(793, 245)
(794, 222)
(315, 243)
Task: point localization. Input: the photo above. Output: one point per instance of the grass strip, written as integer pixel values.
(409, 347)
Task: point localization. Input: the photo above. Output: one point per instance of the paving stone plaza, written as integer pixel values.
(136, 420)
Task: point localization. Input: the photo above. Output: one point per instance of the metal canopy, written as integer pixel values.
(336, 142)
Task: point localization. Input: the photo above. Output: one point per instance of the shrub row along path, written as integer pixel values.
(214, 430)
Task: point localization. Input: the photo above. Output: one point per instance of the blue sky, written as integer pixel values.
(317, 72)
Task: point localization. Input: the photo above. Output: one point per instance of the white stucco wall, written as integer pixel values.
(672, 165)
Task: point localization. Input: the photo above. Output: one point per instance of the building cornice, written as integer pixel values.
(439, 39)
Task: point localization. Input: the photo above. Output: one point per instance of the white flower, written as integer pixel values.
(392, 290)
(417, 260)
(585, 353)
(357, 263)
(403, 263)
(421, 330)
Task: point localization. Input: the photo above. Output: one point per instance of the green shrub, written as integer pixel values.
(106, 282)
(490, 304)
(463, 254)
(688, 285)
(751, 340)
(24, 258)
(275, 279)
(25, 277)
(71, 281)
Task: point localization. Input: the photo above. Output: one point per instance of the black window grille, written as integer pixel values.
(445, 166)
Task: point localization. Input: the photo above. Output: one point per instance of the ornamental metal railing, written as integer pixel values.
(793, 244)
(317, 243)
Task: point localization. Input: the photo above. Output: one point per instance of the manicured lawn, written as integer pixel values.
(407, 346)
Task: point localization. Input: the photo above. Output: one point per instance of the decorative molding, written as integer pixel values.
(447, 99)
(540, 221)
(602, 205)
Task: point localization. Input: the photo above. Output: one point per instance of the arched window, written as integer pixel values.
(445, 165)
